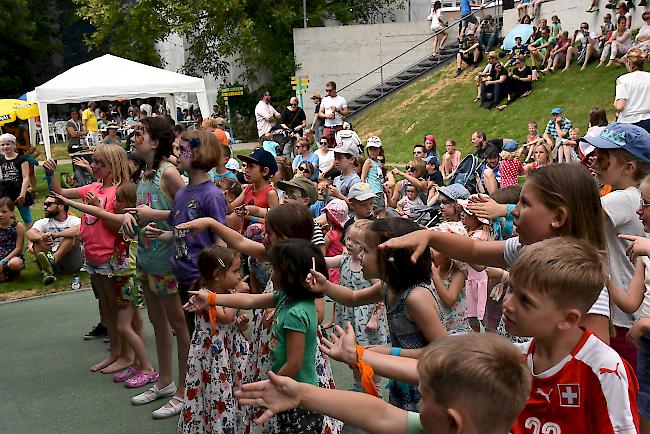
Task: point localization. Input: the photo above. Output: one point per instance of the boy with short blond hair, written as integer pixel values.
(469, 383)
(580, 384)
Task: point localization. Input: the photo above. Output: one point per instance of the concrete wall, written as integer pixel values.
(572, 13)
(345, 53)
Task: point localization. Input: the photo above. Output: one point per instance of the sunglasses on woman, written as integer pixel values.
(304, 169)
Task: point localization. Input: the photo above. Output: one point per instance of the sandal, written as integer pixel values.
(154, 393)
(172, 408)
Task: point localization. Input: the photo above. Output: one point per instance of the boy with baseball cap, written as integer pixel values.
(345, 157)
(360, 200)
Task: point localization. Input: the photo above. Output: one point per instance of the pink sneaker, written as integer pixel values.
(125, 374)
(141, 378)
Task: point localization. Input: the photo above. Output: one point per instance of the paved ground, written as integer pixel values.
(45, 384)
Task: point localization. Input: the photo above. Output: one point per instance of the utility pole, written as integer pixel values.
(304, 13)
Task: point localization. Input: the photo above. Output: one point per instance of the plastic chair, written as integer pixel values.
(61, 130)
(52, 131)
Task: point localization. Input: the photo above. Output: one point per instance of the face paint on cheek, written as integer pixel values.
(186, 152)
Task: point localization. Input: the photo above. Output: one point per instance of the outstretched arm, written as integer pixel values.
(114, 221)
(199, 300)
(279, 394)
(346, 296)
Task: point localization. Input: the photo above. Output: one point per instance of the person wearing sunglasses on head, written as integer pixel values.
(304, 155)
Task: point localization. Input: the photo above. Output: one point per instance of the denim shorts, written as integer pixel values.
(643, 375)
(103, 269)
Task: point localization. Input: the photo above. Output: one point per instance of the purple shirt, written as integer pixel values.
(193, 202)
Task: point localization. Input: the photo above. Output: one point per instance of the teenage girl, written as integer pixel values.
(477, 278)
(450, 160)
(546, 209)
(127, 289)
(373, 174)
(155, 197)
(541, 156)
(413, 313)
(293, 335)
(282, 222)
(436, 25)
(431, 147)
(216, 357)
(449, 280)
(14, 173)
(12, 238)
(110, 168)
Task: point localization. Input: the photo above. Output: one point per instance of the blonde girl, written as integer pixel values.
(450, 160)
(542, 156)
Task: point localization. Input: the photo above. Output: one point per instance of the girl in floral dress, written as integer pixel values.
(217, 355)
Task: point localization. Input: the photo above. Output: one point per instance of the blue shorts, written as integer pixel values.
(643, 375)
(103, 269)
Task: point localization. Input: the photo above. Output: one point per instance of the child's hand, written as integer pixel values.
(198, 300)
(639, 328)
(242, 286)
(341, 346)
(316, 282)
(242, 321)
(483, 206)
(277, 394)
(50, 167)
(267, 320)
(372, 324)
(418, 241)
(241, 211)
(152, 232)
(640, 246)
(92, 199)
(196, 226)
(144, 212)
(333, 191)
(128, 225)
(82, 163)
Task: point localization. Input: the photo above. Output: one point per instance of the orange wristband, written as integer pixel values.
(366, 372)
(212, 311)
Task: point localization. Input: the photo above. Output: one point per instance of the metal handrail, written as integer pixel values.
(380, 67)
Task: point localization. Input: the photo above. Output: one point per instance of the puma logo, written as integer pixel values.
(611, 371)
(545, 395)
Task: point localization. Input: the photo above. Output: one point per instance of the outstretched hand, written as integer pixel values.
(418, 241)
(197, 225)
(316, 282)
(640, 246)
(277, 394)
(198, 300)
(341, 346)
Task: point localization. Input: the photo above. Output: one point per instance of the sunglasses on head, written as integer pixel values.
(409, 168)
(304, 169)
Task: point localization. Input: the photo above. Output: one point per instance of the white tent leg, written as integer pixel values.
(42, 108)
(202, 97)
(171, 106)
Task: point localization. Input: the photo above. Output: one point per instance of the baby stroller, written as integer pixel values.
(467, 175)
(427, 215)
(285, 140)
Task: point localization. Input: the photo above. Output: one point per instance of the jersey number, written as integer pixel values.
(537, 427)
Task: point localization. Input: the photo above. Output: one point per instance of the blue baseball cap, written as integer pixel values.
(556, 111)
(510, 146)
(431, 159)
(629, 137)
(261, 157)
(454, 191)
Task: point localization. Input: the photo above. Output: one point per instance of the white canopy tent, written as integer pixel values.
(110, 78)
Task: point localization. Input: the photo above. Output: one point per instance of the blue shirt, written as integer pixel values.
(311, 158)
(215, 177)
(465, 8)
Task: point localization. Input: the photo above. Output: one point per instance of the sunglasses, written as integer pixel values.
(409, 168)
(329, 90)
(304, 169)
(293, 105)
(49, 204)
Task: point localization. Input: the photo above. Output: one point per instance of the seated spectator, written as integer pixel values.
(54, 241)
(632, 99)
(537, 30)
(520, 82)
(623, 11)
(325, 157)
(270, 145)
(12, 238)
(606, 30)
(212, 125)
(487, 33)
(489, 170)
(111, 138)
(470, 53)
(556, 26)
(433, 176)
(304, 154)
(522, 10)
(305, 169)
(618, 44)
(493, 91)
(488, 73)
(510, 167)
(557, 128)
(584, 47)
(642, 39)
(557, 56)
(405, 205)
(450, 160)
(540, 49)
(413, 175)
(518, 50)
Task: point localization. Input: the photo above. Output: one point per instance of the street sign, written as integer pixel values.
(232, 89)
(300, 83)
(233, 93)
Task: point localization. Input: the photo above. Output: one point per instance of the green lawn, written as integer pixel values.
(441, 104)
(30, 281)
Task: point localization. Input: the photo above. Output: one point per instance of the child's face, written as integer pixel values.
(185, 157)
(533, 219)
(120, 204)
(373, 152)
(7, 147)
(343, 161)
(353, 242)
(471, 222)
(411, 193)
(518, 41)
(361, 208)
(448, 208)
(369, 256)
(644, 210)
(573, 135)
(428, 144)
(322, 189)
(100, 167)
(5, 215)
(252, 172)
(146, 146)
(608, 170)
(451, 148)
(555, 20)
(230, 278)
(434, 416)
(530, 313)
(532, 129)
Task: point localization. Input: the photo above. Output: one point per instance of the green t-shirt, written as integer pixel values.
(299, 316)
(542, 41)
(414, 426)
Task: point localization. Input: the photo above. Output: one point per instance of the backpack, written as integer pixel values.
(344, 137)
(467, 174)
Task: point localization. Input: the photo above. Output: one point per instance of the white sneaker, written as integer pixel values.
(172, 408)
(153, 393)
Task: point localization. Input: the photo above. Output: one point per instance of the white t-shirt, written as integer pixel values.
(146, 108)
(635, 88)
(434, 17)
(263, 114)
(512, 249)
(324, 160)
(584, 41)
(644, 31)
(339, 102)
(54, 226)
(620, 207)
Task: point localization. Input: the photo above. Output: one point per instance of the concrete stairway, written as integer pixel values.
(419, 69)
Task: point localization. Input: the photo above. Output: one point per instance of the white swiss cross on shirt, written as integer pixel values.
(569, 395)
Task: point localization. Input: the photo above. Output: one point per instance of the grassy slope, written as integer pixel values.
(31, 277)
(442, 105)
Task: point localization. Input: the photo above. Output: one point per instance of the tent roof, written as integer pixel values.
(111, 77)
